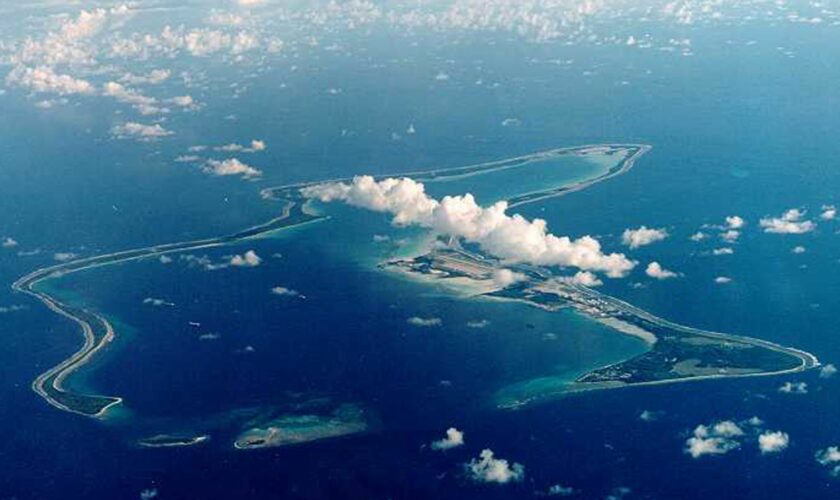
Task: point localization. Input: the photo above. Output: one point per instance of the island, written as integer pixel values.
(296, 429)
(676, 353)
(171, 441)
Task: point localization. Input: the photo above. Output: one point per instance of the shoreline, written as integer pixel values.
(99, 333)
(49, 384)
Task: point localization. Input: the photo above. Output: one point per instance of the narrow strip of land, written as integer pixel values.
(96, 329)
(677, 353)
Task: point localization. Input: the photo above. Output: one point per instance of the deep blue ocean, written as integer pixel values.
(736, 128)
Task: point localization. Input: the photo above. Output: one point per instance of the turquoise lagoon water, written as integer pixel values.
(736, 129)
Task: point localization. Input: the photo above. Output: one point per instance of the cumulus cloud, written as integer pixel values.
(505, 277)
(698, 236)
(184, 101)
(794, 388)
(152, 301)
(718, 439)
(828, 371)
(139, 131)
(730, 235)
(231, 166)
(479, 323)
(154, 77)
(255, 146)
(558, 490)
(649, 416)
(799, 249)
(773, 442)
(829, 212)
(655, 270)
(203, 42)
(248, 259)
(829, 457)
(723, 251)
(639, 237)
(9, 242)
(424, 322)
(149, 494)
(144, 104)
(201, 261)
(453, 439)
(64, 256)
(791, 222)
(489, 469)
(509, 237)
(723, 280)
(286, 292)
(586, 278)
(45, 80)
(735, 222)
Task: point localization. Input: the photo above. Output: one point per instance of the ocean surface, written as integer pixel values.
(736, 128)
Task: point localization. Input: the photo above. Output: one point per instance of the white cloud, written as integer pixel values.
(586, 278)
(479, 323)
(149, 494)
(649, 416)
(790, 222)
(655, 270)
(773, 442)
(558, 490)
(255, 146)
(250, 3)
(505, 277)
(718, 439)
(44, 79)
(154, 77)
(488, 469)
(830, 457)
(424, 322)
(183, 101)
(723, 280)
(828, 371)
(735, 222)
(730, 235)
(727, 428)
(286, 292)
(140, 131)
(9, 242)
(453, 439)
(794, 388)
(12, 308)
(203, 42)
(639, 237)
(510, 237)
(151, 301)
(64, 256)
(723, 251)
(71, 43)
(144, 104)
(799, 249)
(698, 236)
(829, 212)
(248, 259)
(231, 166)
